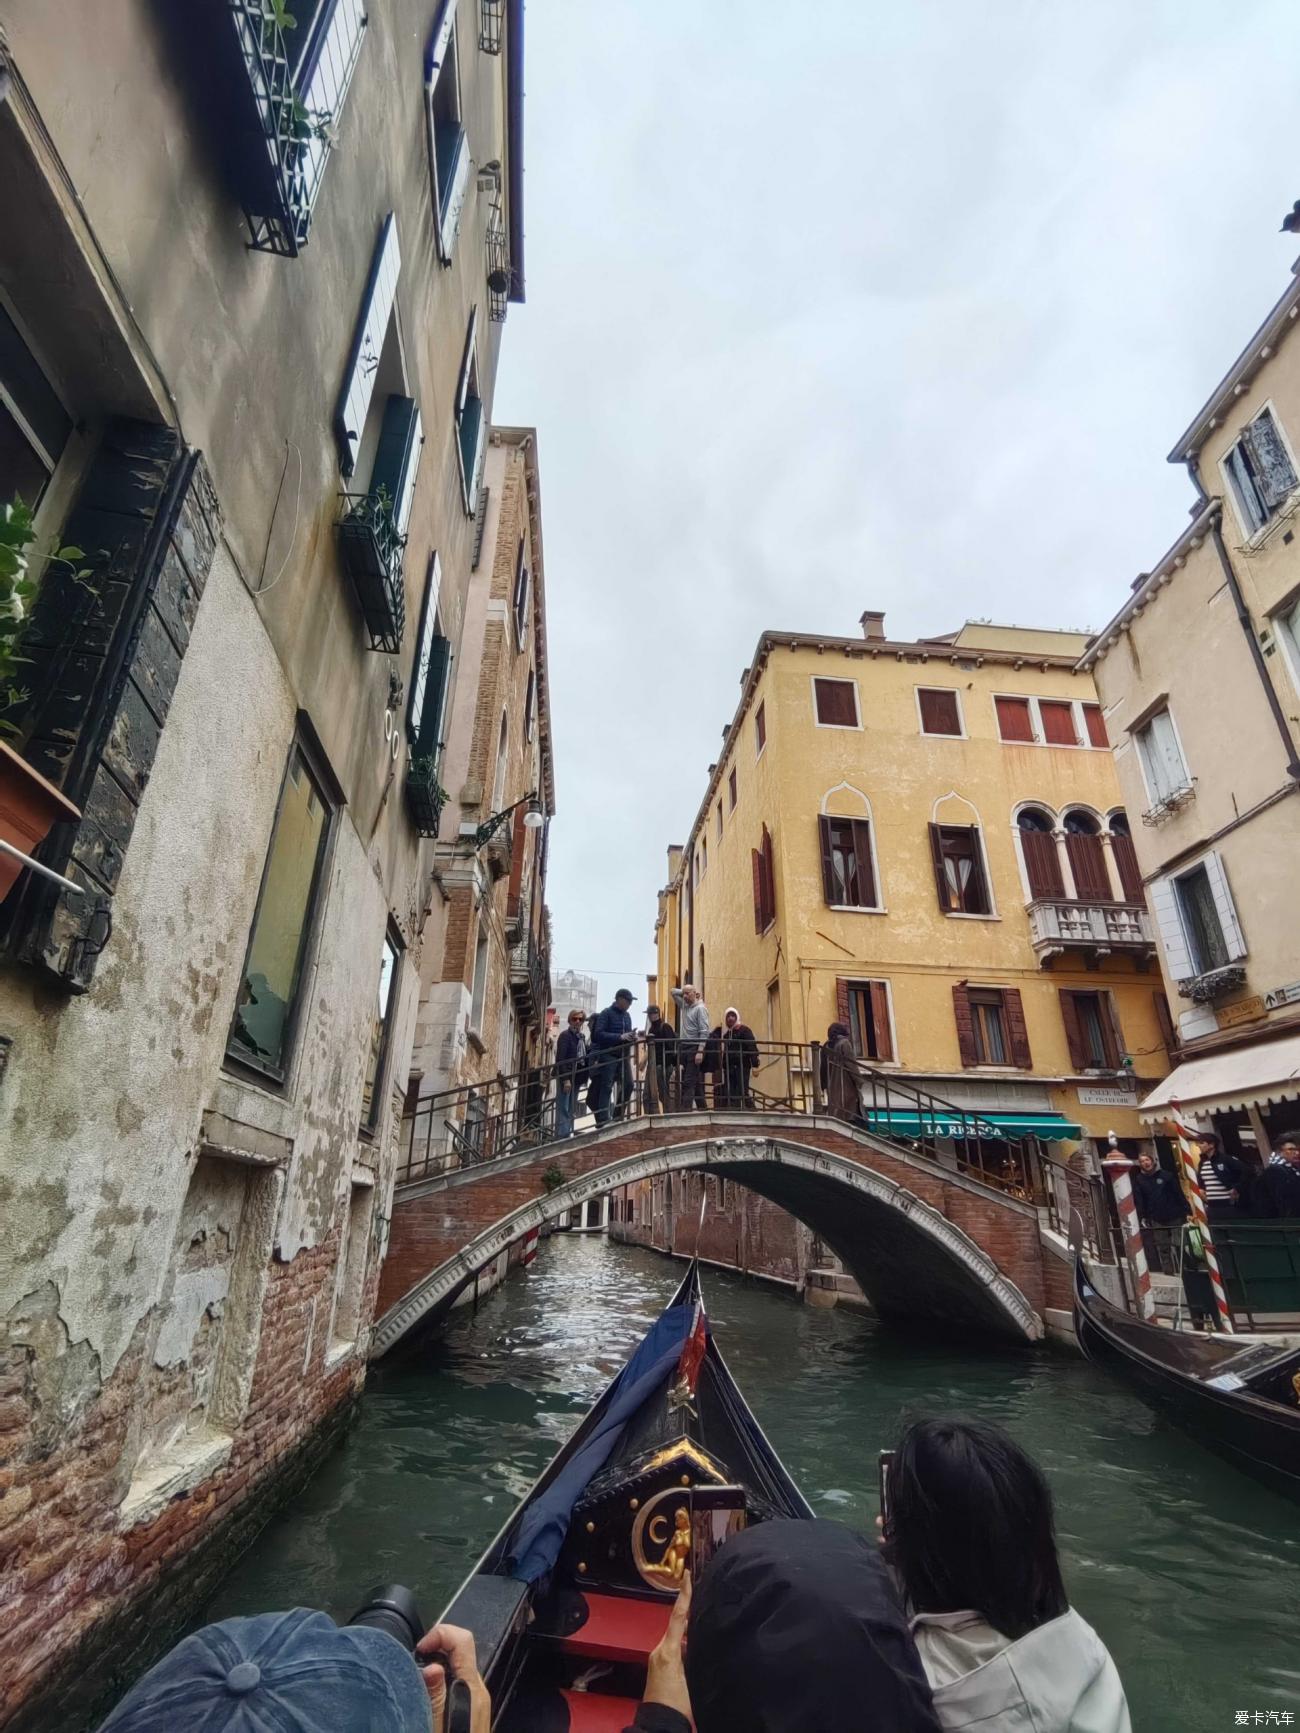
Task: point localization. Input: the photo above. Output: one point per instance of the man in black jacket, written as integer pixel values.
(1224, 1180)
(1162, 1208)
(662, 1058)
(611, 1046)
(570, 1072)
(1277, 1191)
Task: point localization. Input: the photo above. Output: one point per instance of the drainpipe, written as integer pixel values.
(1247, 626)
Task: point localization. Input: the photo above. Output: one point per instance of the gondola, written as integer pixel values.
(1243, 1401)
(573, 1594)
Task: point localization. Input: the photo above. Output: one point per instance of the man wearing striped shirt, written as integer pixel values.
(1223, 1179)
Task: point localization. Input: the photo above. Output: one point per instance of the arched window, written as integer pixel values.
(499, 779)
(1087, 856)
(1038, 849)
(1126, 860)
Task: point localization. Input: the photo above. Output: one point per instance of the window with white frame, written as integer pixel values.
(471, 421)
(34, 424)
(522, 582)
(1197, 917)
(478, 991)
(449, 154)
(1073, 722)
(1161, 755)
(1260, 472)
(940, 710)
(835, 703)
(530, 706)
(1287, 626)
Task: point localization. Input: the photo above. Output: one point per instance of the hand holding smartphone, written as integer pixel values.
(717, 1512)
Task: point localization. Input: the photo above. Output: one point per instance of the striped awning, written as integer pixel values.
(1053, 1127)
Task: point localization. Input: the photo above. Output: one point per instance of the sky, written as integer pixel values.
(855, 305)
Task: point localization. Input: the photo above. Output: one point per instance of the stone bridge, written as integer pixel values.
(927, 1245)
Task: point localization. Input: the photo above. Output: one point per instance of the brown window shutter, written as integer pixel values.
(1091, 881)
(842, 1004)
(1042, 864)
(939, 711)
(769, 879)
(756, 862)
(965, 1029)
(1015, 722)
(940, 882)
(1164, 1018)
(828, 868)
(1017, 1034)
(1126, 861)
(1114, 1031)
(1058, 722)
(1073, 1033)
(867, 898)
(978, 900)
(1095, 723)
(880, 1017)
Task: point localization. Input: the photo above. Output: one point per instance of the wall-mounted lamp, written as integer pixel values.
(534, 818)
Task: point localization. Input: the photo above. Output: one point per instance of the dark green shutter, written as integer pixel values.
(396, 458)
(427, 740)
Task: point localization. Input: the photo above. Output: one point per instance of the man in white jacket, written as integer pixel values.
(693, 1034)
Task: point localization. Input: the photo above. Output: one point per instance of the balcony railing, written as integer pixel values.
(529, 978)
(284, 124)
(372, 552)
(425, 796)
(1054, 925)
(491, 18)
(1213, 984)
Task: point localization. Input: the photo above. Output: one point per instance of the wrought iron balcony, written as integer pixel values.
(283, 120)
(1055, 926)
(491, 16)
(372, 552)
(529, 979)
(498, 264)
(1213, 984)
(425, 796)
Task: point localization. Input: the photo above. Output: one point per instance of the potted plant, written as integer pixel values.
(29, 805)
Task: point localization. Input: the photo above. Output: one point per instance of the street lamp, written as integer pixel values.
(534, 819)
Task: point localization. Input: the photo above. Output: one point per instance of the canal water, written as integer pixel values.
(1189, 1571)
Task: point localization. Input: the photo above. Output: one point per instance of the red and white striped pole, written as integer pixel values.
(1191, 1165)
(1117, 1168)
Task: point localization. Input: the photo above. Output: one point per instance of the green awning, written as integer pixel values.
(1050, 1126)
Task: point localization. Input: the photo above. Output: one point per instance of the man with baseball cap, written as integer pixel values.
(611, 1044)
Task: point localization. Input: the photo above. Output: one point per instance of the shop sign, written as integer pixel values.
(1244, 1011)
(1282, 996)
(1107, 1098)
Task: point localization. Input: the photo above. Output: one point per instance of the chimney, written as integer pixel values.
(873, 624)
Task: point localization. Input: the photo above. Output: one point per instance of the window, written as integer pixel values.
(1038, 850)
(774, 1010)
(1125, 857)
(719, 821)
(1092, 1031)
(731, 790)
(1087, 857)
(1287, 625)
(848, 876)
(499, 775)
(530, 705)
(1058, 722)
(760, 729)
(291, 883)
(864, 1006)
(700, 983)
(1201, 923)
(34, 425)
(991, 1026)
(940, 710)
(471, 421)
(959, 869)
(449, 163)
(1161, 758)
(478, 988)
(762, 861)
(704, 851)
(372, 1095)
(351, 1275)
(1260, 471)
(522, 580)
(1015, 719)
(1095, 723)
(836, 703)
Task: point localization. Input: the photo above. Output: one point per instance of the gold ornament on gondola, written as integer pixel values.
(1295, 1385)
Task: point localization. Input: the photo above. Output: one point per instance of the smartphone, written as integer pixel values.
(886, 1461)
(717, 1512)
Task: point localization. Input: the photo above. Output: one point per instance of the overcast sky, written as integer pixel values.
(898, 307)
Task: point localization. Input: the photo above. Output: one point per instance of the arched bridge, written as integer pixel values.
(927, 1242)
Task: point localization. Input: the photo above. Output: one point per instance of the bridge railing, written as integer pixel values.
(1066, 1189)
(500, 1116)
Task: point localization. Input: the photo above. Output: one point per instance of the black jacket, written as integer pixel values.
(1232, 1173)
(796, 1628)
(1276, 1192)
(571, 1057)
(663, 1043)
(1159, 1197)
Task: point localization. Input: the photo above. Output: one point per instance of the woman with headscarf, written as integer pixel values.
(840, 1074)
(734, 1052)
(795, 1627)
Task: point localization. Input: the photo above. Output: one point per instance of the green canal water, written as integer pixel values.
(1190, 1572)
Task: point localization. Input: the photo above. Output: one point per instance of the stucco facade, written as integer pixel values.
(796, 957)
(1199, 673)
(202, 1087)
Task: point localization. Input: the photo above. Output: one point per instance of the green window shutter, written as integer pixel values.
(397, 458)
(437, 675)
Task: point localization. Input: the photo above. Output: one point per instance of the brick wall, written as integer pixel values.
(72, 1583)
(742, 1231)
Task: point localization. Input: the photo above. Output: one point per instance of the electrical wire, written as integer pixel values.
(275, 509)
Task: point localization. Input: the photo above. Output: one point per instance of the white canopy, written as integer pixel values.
(1245, 1077)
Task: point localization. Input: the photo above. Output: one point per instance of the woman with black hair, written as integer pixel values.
(970, 1538)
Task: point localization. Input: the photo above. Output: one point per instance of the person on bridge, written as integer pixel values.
(571, 1072)
(611, 1046)
(692, 1046)
(969, 1536)
(795, 1627)
(1277, 1190)
(735, 1053)
(661, 1059)
(840, 1074)
(1162, 1208)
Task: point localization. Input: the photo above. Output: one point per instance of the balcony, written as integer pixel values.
(530, 979)
(425, 796)
(1213, 984)
(281, 121)
(1097, 928)
(491, 20)
(372, 553)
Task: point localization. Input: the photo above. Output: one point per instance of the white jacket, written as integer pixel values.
(1057, 1679)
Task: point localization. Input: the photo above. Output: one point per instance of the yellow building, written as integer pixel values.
(926, 841)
